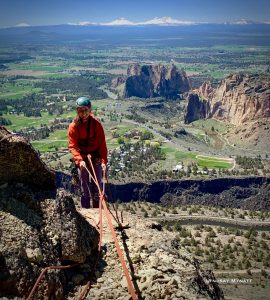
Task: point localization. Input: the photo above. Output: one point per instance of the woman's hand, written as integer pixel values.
(104, 168)
(82, 164)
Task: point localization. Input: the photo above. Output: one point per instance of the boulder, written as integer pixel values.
(40, 229)
(68, 230)
(20, 162)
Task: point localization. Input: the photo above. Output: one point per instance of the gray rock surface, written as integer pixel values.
(159, 267)
(36, 233)
(20, 163)
(67, 229)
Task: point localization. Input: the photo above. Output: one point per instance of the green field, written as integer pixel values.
(16, 90)
(57, 139)
(20, 121)
(175, 156)
(47, 145)
(212, 162)
(37, 66)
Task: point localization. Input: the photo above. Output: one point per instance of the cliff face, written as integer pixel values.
(220, 192)
(196, 109)
(237, 99)
(155, 80)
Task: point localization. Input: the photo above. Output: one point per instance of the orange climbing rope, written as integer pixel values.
(102, 203)
(44, 271)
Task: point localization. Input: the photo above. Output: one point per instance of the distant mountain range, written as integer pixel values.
(160, 21)
(155, 21)
(158, 31)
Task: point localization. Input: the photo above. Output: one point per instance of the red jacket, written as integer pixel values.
(80, 147)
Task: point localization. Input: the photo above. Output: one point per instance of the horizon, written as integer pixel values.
(157, 21)
(105, 12)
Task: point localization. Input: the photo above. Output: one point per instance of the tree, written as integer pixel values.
(4, 121)
(120, 140)
(145, 214)
(147, 135)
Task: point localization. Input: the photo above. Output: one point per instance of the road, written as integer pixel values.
(178, 146)
(155, 132)
(216, 221)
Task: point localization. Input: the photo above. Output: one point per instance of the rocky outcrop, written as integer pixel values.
(118, 81)
(20, 163)
(36, 232)
(67, 229)
(238, 99)
(40, 227)
(196, 109)
(149, 81)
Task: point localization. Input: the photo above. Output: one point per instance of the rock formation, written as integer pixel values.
(196, 109)
(38, 231)
(20, 163)
(149, 81)
(237, 99)
(117, 81)
(40, 227)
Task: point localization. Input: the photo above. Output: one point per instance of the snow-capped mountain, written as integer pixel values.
(117, 22)
(157, 21)
(124, 21)
(245, 22)
(166, 21)
(22, 25)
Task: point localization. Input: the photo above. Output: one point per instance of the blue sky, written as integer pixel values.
(47, 12)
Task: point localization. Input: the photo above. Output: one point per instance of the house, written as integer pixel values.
(178, 168)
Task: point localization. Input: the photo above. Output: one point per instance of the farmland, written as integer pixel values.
(41, 80)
